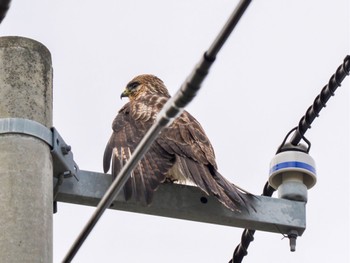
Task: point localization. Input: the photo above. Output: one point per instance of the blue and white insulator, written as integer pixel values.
(292, 173)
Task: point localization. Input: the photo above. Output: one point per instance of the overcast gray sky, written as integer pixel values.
(267, 75)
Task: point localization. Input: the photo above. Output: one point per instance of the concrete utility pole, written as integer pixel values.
(25, 162)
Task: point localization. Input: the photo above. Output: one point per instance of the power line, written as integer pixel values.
(170, 110)
(4, 7)
(321, 100)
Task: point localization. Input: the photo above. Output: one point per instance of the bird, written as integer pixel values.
(182, 153)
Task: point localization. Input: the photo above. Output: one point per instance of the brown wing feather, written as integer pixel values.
(150, 172)
(196, 158)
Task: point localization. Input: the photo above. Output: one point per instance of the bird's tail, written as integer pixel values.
(231, 195)
(210, 181)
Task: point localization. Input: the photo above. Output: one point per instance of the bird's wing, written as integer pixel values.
(196, 159)
(150, 172)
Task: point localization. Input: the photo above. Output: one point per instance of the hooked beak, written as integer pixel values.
(125, 93)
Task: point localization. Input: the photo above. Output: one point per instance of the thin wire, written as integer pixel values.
(170, 110)
(304, 124)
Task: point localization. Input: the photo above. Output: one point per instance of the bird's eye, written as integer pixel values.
(133, 85)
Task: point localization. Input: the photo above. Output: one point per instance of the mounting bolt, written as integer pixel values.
(66, 149)
(292, 235)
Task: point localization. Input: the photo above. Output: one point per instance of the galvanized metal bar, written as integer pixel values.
(189, 203)
(26, 127)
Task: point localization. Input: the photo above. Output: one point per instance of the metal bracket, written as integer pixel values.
(63, 163)
(27, 127)
(62, 157)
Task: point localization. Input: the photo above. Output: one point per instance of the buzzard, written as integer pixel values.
(182, 153)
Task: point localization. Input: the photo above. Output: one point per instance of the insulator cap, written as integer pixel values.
(292, 173)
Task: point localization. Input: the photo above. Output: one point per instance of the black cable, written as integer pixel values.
(299, 131)
(192, 83)
(321, 100)
(4, 7)
(248, 234)
(170, 110)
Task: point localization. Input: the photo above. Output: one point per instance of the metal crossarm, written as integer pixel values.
(189, 203)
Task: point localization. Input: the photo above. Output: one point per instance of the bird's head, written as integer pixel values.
(144, 85)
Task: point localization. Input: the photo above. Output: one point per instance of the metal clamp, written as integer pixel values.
(62, 157)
